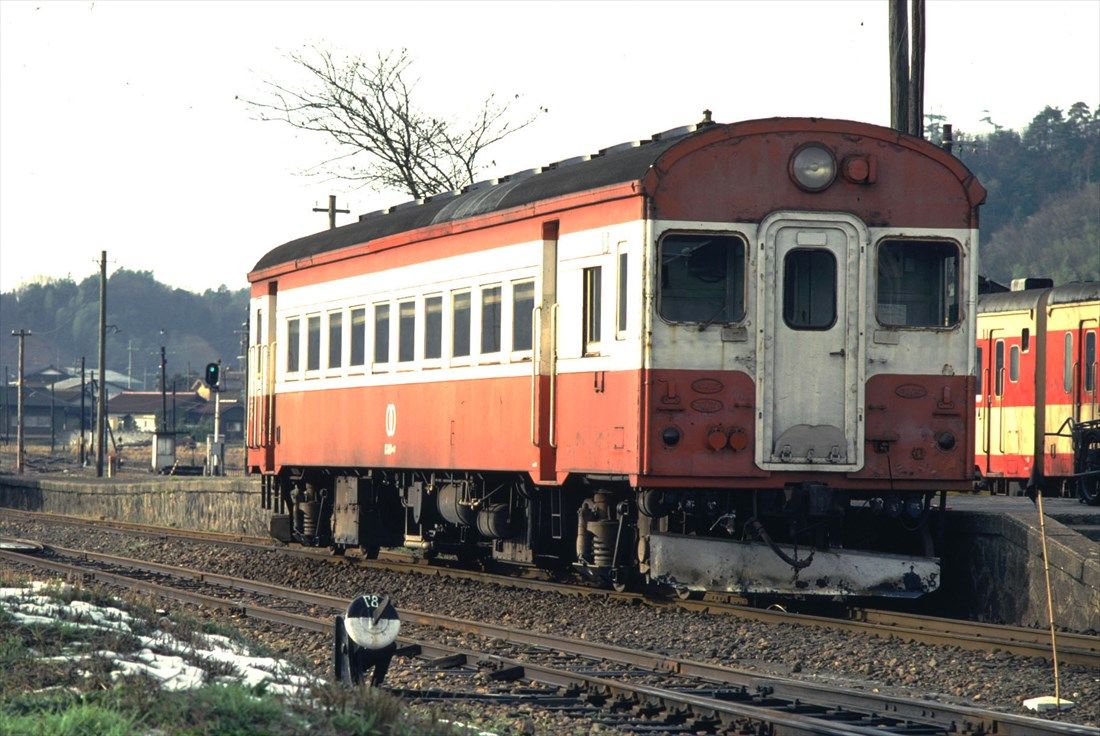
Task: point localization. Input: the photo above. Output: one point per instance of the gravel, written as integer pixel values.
(993, 680)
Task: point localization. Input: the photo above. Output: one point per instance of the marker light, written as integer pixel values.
(670, 436)
(813, 167)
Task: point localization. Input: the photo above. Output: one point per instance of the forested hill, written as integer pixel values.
(1042, 215)
(64, 317)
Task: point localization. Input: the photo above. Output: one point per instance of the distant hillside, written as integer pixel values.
(64, 317)
(1042, 213)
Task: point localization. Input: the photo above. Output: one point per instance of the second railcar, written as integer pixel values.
(1037, 359)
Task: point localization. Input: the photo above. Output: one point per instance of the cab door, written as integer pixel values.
(811, 289)
(260, 422)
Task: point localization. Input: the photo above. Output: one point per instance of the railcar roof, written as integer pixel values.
(614, 165)
(1077, 291)
(617, 164)
(1011, 301)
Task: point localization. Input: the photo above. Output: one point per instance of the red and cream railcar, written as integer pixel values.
(1036, 353)
(731, 357)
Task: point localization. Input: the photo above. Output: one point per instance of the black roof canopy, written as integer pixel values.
(615, 165)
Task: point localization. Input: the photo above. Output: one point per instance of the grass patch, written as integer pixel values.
(49, 686)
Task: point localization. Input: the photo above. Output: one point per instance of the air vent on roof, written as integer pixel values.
(521, 175)
(569, 161)
(675, 132)
(478, 185)
(1031, 283)
(621, 147)
(441, 196)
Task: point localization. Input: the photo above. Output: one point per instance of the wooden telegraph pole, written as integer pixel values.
(101, 418)
(899, 66)
(331, 210)
(907, 72)
(916, 70)
(20, 438)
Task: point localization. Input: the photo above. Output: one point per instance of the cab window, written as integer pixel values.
(918, 283)
(702, 278)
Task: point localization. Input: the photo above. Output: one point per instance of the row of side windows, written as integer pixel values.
(1089, 373)
(393, 339)
(389, 329)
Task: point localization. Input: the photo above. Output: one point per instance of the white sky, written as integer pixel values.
(120, 128)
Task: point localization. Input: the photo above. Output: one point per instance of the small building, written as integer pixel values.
(39, 405)
(141, 411)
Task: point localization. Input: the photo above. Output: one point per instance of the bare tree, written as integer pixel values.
(386, 141)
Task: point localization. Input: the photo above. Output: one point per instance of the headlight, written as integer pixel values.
(813, 167)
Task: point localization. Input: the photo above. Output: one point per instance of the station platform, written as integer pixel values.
(993, 561)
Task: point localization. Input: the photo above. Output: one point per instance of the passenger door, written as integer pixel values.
(544, 362)
(260, 436)
(811, 296)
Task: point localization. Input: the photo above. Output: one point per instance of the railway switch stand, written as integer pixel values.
(365, 639)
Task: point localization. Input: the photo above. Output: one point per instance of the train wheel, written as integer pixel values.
(371, 551)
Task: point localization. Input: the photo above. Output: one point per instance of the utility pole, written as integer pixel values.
(129, 364)
(899, 66)
(916, 71)
(82, 425)
(53, 420)
(163, 394)
(20, 439)
(101, 418)
(331, 210)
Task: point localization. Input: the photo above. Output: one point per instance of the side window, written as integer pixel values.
(293, 344)
(433, 327)
(980, 367)
(1014, 364)
(358, 336)
(809, 289)
(382, 333)
(621, 295)
(1025, 339)
(406, 331)
(702, 278)
(490, 319)
(259, 328)
(593, 313)
(1067, 363)
(523, 307)
(335, 339)
(460, 326)
(999, 369)
(1090, 360)
(918, 283)
(313, 343)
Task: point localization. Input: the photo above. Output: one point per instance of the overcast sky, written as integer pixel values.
(120, 127)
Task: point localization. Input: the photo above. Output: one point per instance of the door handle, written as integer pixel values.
(840, 353)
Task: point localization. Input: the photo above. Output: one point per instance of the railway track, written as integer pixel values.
(628, 687)
(1073, 648)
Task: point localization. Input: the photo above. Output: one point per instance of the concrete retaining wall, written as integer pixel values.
(993, 570)
(230, 505)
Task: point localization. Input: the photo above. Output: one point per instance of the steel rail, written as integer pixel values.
(1080, 649)
(961, 718)
(729, 713)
